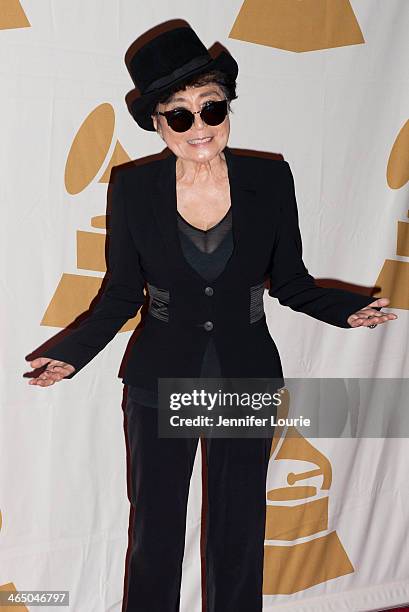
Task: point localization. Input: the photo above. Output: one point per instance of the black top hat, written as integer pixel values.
(165, 61)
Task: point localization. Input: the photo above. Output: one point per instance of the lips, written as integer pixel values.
(196, 141)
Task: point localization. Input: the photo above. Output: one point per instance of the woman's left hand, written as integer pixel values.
(368, 316)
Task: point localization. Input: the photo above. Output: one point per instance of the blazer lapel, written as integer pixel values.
(164, 202)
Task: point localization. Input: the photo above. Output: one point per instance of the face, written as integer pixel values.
(184, 144)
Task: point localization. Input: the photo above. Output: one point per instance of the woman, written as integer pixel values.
(203, 228)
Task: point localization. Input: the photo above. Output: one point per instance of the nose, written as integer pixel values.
(198, 121)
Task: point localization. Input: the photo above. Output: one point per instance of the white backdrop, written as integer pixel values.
(326, 85)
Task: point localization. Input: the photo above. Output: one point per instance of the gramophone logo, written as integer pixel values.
(86, 159)
(300, 551)
(393, 280)
(297, 25)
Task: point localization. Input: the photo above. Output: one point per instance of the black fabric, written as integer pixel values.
(161, 470)
(144, 247)
(207, 251)
(256, 302)
(205, 241)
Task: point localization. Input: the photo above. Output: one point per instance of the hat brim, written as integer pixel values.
(142, 106)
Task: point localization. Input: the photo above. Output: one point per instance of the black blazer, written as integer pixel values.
(145, 250)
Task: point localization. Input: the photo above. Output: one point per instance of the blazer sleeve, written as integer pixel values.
(121, 299)
(290, 281)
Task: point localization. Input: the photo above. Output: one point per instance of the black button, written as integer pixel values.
(209, 291)
(208, 325)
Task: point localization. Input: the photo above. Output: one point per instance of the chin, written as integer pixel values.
(206, 152)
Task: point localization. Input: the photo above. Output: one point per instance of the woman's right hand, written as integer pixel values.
(55, 371)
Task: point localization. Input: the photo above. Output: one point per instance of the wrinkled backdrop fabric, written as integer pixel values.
(325, 85)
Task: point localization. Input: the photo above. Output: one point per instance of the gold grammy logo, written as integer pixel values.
(393, 279)
(87, 156)
(299, 512)
(297, 25)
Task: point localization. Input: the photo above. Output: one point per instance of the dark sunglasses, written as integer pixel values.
(182, 119)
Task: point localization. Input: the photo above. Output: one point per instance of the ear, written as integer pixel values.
(156, 124)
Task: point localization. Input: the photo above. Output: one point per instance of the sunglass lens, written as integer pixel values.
(180, 120)
(214, 112)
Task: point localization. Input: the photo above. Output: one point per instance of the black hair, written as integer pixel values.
(224, 80)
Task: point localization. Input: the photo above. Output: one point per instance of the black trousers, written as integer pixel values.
(235, 521)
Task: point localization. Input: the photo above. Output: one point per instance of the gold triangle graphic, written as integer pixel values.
(10, 586)
(12, 15)
(290, 569)
(119, 156)
(297, 25)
